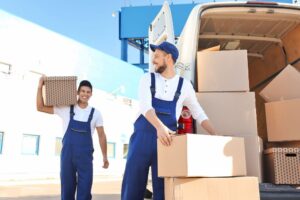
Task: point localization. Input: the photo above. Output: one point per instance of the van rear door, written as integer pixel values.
(161, 29)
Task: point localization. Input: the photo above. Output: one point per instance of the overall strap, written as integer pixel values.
(91, 115)
(72, 111)
(178, 91)
(152, 87)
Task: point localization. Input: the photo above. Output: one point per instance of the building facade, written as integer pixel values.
(30, 141)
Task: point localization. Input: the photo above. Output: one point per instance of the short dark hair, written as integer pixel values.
(85, 83)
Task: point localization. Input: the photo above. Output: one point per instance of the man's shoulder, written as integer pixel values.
(97, 112)
(187, 83)
(146, 75)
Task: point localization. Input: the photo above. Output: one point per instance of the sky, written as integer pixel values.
(90, 22)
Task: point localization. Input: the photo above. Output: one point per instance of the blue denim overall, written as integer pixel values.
(77, 159)
(142, 151)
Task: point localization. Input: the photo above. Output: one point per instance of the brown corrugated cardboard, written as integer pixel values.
(283, 165)
(222, 71)
(285, 86)
(230, 113)
(214, 48)
(60, 90)
(283, 120)
(233, 188)
(194, 155)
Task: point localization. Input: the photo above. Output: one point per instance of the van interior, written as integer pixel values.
(270, 34)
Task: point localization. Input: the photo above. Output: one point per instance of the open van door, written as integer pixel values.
(161, 29)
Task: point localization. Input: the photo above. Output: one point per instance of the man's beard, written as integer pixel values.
(161, 68)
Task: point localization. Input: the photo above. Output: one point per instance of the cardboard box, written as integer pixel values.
(283, 120)
(194, 155)
(219, 71)
(233, 188)
(254, 156)
(285, 86)
(231, 114)
(60, 90)
(283, 165)
(290, 144)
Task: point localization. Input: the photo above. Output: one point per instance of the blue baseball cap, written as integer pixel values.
(168, 48)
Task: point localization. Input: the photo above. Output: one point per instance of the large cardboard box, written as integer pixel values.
(285, 86)
(254, 156)
(283, 165)
(194, 155)
(60, 90)
(233, 188)
(219, 71)
(283, 120)
(231, 113)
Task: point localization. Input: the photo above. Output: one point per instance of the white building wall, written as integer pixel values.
(19, 116)
(31, 50)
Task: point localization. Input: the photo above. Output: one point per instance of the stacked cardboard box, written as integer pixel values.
(223, 92)
(282, 95)
(205, 167)
(60, 90)
(234, 188)
(196, 155)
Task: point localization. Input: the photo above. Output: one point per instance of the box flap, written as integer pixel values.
(285, 86)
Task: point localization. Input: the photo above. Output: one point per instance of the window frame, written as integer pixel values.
(2, 141)
(55, 153)
(114, 150)
(37, 145)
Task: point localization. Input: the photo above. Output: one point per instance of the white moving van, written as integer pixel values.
(270, 32)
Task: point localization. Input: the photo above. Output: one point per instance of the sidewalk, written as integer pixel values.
(103, 189)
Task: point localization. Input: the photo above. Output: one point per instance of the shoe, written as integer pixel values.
(148, 194)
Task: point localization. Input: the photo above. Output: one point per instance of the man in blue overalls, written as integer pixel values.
(79, 122)
(162, 95)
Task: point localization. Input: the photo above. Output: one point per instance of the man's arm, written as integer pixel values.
(198, 113)
(208, 127)
(103, 145)
(163, 132)
(39, 99)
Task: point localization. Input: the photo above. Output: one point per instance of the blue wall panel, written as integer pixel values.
(135, 21)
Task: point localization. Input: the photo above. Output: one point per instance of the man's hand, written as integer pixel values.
(163, 134)
(105, 163)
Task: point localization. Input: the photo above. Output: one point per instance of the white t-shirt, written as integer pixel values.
(81, 114)
(165, 90)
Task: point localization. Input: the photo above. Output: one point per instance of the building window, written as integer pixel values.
(111, 150)
(30, 144)
(5, 68)
(1, 141)
(58, 146)
(125, 150)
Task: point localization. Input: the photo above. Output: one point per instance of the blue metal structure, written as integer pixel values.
(135, 21)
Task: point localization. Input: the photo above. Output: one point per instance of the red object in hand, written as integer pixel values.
(185, 122)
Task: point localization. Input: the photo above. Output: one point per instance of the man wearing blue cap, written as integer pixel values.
(162, 95)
